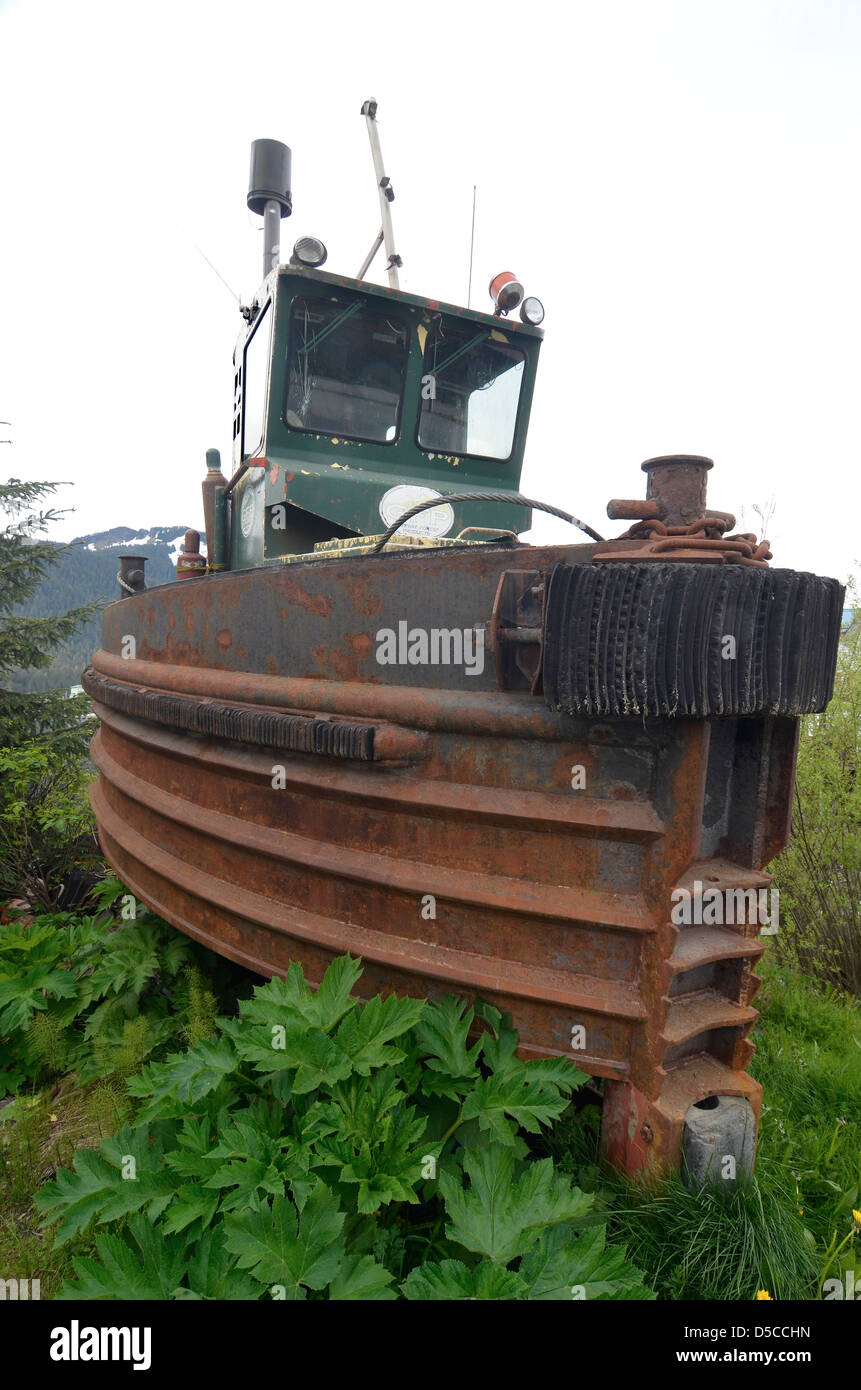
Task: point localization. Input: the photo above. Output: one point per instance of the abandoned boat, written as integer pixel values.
(374, 721)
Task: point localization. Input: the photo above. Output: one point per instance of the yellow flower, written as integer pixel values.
(763, 1294)
(857, 1217)
(801, 1211)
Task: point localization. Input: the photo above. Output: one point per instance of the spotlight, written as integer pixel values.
(532, 310)
(309, 251)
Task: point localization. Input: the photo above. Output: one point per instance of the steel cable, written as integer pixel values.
(515, 498)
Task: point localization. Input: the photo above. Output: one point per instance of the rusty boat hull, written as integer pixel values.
(274, 791)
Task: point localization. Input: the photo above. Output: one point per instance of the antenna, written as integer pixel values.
(471, 246)
(215, 270)
(387, 196)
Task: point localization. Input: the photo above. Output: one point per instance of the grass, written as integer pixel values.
(29, 1153)
(778, 1231)
(809, 1064)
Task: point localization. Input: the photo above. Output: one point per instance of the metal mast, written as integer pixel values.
(269, 195)
(387, 196)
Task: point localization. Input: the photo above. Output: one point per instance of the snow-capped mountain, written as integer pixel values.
(126, 539)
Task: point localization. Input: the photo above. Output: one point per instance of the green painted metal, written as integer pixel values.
(342, 481)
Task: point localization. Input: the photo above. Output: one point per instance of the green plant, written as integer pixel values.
(809, 1063)
(317, 1146)
(97, 995)
(777, 1231)
(715, 1245)
(819, 873)
(47, 832)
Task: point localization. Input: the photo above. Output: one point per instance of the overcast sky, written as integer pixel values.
(677, 180)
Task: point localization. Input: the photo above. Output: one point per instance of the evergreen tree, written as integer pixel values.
(26, 642)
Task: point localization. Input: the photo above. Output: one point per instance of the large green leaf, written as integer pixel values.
(372, 1137)
(452, 1280)
(212, 1272)
(361, 1277)
(169, 1087)
(305, 1050)
(502, 1212)
(119, 1273)
(291, 1001)
(365, 1034)
(98, 1187)
(23, 992)
(143, 1263)
(562, 1265)
(282, 1247)
(442, 1033)
(507, 1099)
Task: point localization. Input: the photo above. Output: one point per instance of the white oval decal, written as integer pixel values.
(248, 511)
(436, 521)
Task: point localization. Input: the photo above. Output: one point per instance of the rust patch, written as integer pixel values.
(224, 639)
(364, 602)
(338, 663)
(361, 643)
(317, 604)
(622, 791)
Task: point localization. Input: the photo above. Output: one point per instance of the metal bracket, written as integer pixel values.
(514, 634)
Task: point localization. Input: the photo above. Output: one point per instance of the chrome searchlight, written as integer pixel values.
(532, 311)
(309, 251)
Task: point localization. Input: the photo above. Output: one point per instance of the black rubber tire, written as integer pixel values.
(651, 639)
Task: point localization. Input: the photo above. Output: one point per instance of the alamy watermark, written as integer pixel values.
(435, 646)
(19, 1289)
(77, 1343)
(720, 907)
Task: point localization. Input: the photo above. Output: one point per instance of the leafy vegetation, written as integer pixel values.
(304, 1145)
(48, 847)
(317, 1146)
(96, 996)
(819, 874)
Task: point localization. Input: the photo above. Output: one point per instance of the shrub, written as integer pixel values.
(48, 846)
(819, 873)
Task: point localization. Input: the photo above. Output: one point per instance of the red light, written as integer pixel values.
(506, 291)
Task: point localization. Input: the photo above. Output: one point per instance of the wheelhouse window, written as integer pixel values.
(471, 387)
(346, 364)
(255, 381)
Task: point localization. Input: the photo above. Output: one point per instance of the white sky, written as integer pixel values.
(677, 180)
